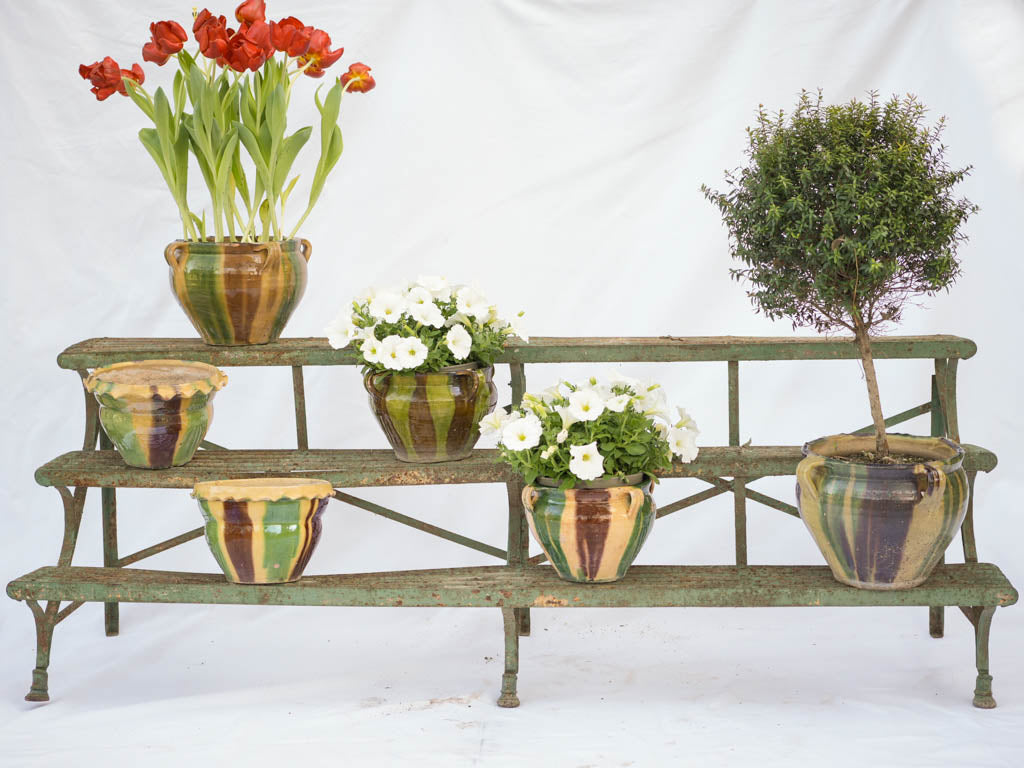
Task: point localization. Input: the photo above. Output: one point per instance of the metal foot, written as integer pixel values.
(936, 620)
(509, 679)
(46, 620)
(983, 687)
(523, 621)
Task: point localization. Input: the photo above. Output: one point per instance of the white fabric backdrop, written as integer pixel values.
(553, 152)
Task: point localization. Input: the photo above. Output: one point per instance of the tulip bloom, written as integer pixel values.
(251, 11)
(248, 48)
(358, 78)
(211, 33)
(290, 36)
(107, 77)
(319, 56)
(168, 39)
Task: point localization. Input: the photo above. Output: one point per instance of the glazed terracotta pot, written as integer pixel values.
(263, 530)
(591, 533)
(156, 412)
(882, 526)
(432, 417)
(238, 293)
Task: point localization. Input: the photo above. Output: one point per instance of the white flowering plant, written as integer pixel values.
(593, 430)
(423, 326)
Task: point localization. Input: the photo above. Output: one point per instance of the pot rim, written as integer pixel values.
(236, 244)
(461, 368)
(263, 489)
(208, 379)
(608, 481)
(939, 452)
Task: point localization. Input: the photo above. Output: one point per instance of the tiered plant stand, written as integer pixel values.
(521, 582)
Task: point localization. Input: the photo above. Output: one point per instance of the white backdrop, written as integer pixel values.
(553, 152)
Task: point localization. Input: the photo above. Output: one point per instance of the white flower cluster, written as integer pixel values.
(522, 430)
(416, 305)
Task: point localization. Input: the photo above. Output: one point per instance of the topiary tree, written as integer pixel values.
(843, 213)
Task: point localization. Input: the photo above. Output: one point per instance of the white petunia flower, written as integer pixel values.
(568, 419)
(686, 421)
(586, 463)
(548, 452)
(366, 295)
(516, 324)
(472, 302)
(341, 330)
(412, 351)
(387, 306)
(458, 318)
(562, 436)
(662, 429)
(654, 403)
(428, 314)
(617, 378)
(459, 342)
(585, 405)
(494, 422)
(552, 393)
(523, 433)
(684, 444)
(438, 286)
(387, 352)
(418, 295)
(618, 403)
(370, 350)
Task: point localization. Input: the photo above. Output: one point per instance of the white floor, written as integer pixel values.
(227, 685)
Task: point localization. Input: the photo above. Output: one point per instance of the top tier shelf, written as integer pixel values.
(93, 353)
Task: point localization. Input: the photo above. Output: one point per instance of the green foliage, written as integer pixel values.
(844, 212)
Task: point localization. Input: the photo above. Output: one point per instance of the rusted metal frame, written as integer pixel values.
(945, 376)
(518, 535)
(163, 546)
(207, 445)
(68, 610)
(92, 415)
(46, 620)
(419, 525)
(983, 686)
(508, 697)
(689, 501)
(739, 486)
(299, 389)
(899, 418)
(108, 503)
(967, 528)
(727, 486)
(937, 613)
(74, 503)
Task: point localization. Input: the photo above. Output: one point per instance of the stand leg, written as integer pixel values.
(523, 621)
(937, 616)
(983, 688)
(111, 611)
(45, 622)
(508, 697)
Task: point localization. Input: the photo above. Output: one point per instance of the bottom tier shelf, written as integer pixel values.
(971, 584)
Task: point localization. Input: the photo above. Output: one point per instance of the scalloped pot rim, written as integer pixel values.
(142, 379)
(263, 489)
(939, 452)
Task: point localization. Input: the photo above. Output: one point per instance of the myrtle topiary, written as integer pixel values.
(843, 213)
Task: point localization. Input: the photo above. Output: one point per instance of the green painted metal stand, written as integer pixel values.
(522, 582)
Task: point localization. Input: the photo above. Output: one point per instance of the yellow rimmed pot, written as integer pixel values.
(593, 532)
(263, 530)
(882, 526)
(156, 412)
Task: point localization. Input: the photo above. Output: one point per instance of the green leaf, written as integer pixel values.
(140, 101)
(635, 449)
(252, 146)
(286, 157)
(288, 190)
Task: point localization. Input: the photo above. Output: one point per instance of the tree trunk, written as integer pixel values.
(864, 344)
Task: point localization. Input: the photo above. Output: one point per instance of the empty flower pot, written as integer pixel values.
(156, 412)
(882, 526)
(593, 532)
(432, 417)
(263, 530)
(238, 293)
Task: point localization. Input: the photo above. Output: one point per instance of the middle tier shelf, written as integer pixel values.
(372, 468)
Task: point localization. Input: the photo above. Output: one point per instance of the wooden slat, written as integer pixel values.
(366, 468)
(977, 584)
(541, 349)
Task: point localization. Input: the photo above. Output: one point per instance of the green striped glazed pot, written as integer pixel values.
(238, 293)
(156, 412)
(591, 534)
(432, 417)
(882, 526)
(263, 530)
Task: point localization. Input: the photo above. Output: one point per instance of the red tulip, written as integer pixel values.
(250, 11)
(319, 56)
(168, 39)
(106, 77)
(291, 36)
(211, 33)
(248, 48)
(358, 78)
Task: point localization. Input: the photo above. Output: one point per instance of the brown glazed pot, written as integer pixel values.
(432, 417)
(238, 293)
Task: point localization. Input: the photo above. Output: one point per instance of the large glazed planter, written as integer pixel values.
(882, 526)
(263, 530)
(591, 534)
(238, 293)
(432, 417)
(156, 412)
